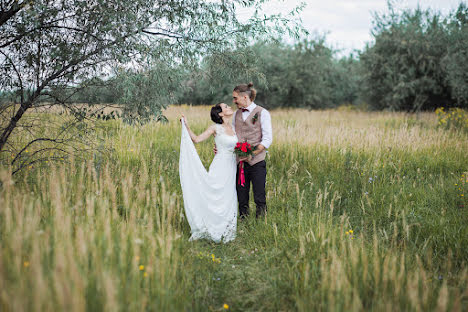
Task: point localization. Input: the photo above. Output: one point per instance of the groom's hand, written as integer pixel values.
(245, 158)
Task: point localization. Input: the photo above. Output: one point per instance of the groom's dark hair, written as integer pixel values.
(215, 110)
(247, 88)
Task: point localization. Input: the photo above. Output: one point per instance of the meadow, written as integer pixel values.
(367, 211)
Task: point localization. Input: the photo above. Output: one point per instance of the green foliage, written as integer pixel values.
(453, 118)
(48, 47)
(412, 64)
(144, 94)
(303, 75)
(455, 62)
(96, 91)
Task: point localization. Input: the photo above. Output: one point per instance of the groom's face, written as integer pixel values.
(240, 99)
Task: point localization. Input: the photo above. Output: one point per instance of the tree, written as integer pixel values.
(418, 60)
(302, 75)
(455, 62)
(49, 46)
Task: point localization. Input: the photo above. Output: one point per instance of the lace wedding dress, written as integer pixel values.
(210, 198)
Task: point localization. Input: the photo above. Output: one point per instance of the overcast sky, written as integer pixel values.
(348, 22)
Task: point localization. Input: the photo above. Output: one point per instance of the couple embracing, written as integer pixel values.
(211, 197)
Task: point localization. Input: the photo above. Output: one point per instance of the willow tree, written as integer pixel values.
(48, 47)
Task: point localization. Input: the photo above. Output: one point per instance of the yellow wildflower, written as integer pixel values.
(351, 231)
(141, 267)
(26, 264)
(225, 306)
(145, 274)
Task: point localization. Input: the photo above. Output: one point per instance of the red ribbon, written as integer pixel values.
(241, 180)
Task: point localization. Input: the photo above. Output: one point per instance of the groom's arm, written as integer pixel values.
(267, 132)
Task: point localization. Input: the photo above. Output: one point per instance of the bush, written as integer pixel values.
(454, 118)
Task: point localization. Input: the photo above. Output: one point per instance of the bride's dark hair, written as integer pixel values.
(215, 110)
(247, 88)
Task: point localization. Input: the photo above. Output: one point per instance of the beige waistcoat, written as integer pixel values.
(251, 132)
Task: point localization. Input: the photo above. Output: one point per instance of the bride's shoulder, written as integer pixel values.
(214, 128)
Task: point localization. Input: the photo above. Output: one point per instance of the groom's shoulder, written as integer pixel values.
(263, 109)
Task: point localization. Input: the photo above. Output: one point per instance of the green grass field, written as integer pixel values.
(367, 212)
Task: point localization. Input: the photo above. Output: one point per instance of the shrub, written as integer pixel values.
(453, 118)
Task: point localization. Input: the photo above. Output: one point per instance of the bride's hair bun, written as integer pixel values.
(247, 88)
(215, 110)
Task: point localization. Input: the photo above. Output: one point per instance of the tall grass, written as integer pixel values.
(367, 211)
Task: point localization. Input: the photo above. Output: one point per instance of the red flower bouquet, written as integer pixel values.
(243, 149)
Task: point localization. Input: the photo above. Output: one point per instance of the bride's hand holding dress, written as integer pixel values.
(210, 198)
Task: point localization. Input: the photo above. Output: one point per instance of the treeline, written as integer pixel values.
(418, 61)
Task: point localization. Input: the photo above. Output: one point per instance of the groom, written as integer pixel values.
(252, 123)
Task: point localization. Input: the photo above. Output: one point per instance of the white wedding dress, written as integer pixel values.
(210, 198)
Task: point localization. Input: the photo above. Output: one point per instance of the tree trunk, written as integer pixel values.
(6, 15)
(13, 121)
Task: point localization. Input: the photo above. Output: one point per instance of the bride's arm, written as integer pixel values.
(202, 137)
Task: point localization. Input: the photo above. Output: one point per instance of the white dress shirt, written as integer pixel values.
(267, 132)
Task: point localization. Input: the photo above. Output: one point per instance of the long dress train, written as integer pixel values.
(210, 198)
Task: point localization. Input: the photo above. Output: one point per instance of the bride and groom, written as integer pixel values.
(210, 197)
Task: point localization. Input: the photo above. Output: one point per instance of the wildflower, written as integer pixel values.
(351, 231)
(141, 267)
(26, 264)
(138, 241)
(366, 193)
(347, 233)
(145, 274)
(226, 307)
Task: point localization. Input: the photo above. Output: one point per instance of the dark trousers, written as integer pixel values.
(257, 175)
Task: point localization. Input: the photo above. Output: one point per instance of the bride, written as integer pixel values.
(210, 198)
